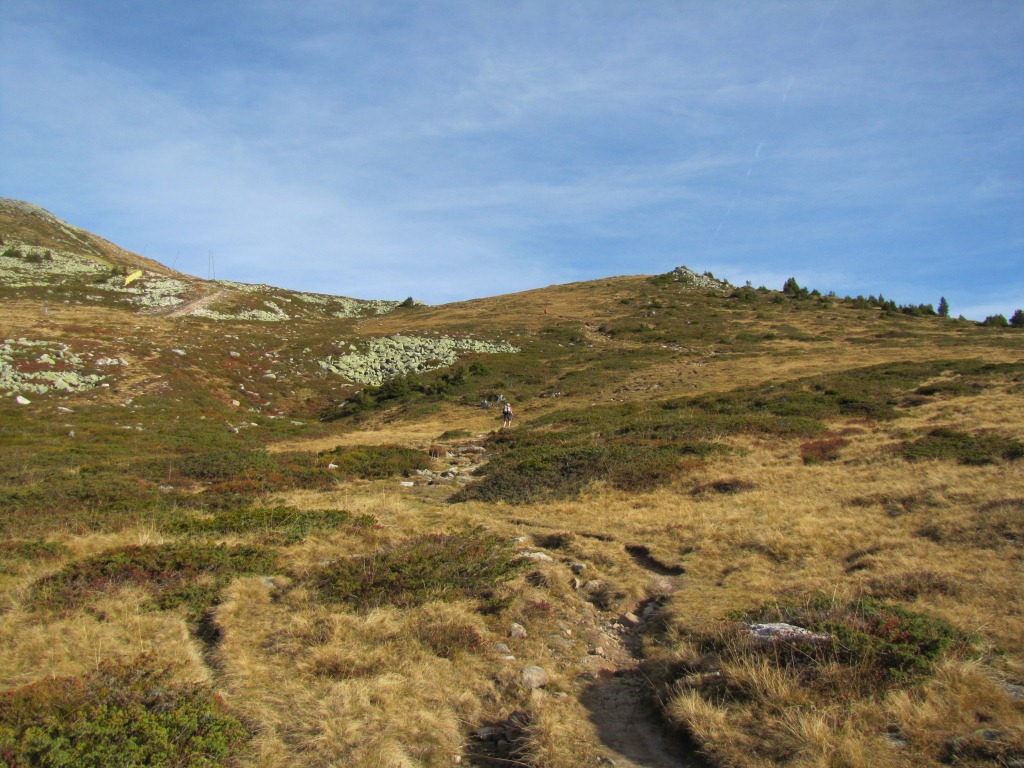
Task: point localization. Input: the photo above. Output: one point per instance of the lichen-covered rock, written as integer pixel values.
(43, 366)
(707, 281)
(390, 356)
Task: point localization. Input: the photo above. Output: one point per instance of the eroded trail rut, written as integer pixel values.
(619, 702)
(629, 726)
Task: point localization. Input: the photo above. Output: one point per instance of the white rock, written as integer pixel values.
(534, 677)
(22, 400)
(539, 557)
(788, 633)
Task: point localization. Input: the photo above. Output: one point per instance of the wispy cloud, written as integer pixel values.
(457, 150)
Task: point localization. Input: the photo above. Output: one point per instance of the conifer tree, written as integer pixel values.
(943, 307)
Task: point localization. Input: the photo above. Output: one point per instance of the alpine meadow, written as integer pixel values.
(728, 526)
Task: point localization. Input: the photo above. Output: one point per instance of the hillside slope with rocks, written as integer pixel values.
(727, 526)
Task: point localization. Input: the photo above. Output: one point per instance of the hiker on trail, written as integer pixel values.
(506, 414)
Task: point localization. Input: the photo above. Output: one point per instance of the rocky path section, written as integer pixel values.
(193, 306)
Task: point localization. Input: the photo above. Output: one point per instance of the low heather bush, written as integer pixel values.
(819, 451)
(120, 716)
(175, 574)
(371, 462)
(879, 643)
(286, 523)
(964, 447)
(448, 566)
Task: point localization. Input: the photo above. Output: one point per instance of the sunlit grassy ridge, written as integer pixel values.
(331, 573)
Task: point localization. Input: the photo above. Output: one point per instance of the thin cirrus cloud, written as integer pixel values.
(454, 150)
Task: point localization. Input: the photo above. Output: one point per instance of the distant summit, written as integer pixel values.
(707, 281)
(24, 224)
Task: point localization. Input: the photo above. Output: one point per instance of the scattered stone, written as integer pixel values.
(517, 630)
(22, 400)
(1014, 690)
(578, 568)
(406, 483)
(629, 620)
(234, 354)
(502, 649)
(534, 677)
(894, 740)
(597, 650)
(539, 557)
(489, 732)
(332, 466)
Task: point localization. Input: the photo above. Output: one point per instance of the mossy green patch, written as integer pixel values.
(122, 715)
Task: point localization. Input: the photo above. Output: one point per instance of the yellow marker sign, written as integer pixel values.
(133, 276)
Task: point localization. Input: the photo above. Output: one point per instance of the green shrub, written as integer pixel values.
(33, 549)
(174, 574)
(564, 471)
(376, 461)
(433, 567)
(226, 464)
(12, 552)
(120, 716)
(964, 447)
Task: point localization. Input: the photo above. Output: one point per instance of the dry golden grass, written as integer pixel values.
(323, 684)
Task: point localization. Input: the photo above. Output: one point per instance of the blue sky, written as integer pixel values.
(454, 150)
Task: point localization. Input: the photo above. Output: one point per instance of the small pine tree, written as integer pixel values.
(791, 287)
(1017, 319)
(943, 307)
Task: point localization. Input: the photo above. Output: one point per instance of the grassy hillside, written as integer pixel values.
(245, 526)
